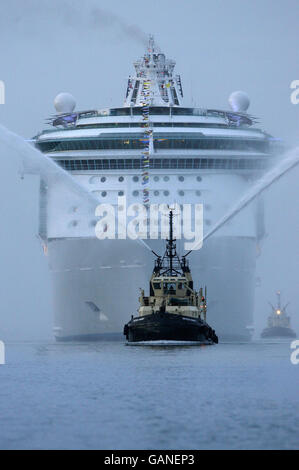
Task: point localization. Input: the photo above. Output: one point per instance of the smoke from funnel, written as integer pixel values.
(70, 15)
(106, 19)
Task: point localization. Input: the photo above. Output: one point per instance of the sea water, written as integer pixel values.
(107, 395)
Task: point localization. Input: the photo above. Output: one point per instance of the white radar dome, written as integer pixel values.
(64, 103)
(239, 101)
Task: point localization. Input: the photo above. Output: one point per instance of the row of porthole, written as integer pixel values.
(136, 178)
(74, 223)
(156, 193)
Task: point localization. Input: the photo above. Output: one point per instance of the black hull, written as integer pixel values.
(169, 327)
(278, 332)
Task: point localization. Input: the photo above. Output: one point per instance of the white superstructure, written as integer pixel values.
(195, 156)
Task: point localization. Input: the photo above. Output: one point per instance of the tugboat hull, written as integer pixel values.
(169, 327)
(278, 332)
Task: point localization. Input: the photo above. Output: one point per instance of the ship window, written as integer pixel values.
(120, 111)
(182, 111)
(156, 178)
(159, 110)
(103, 179)
(181, 193)
(161, 141)
(166, 193)
(155, 124)
(157, 285)
(135, 178)
(157, 163)
(198, 193)
(181, 178)
(169, 287)
(198, 178)
(120, 193)
(120, 179)
(166, 178)
(135, 193)
(174, 95)
(156, 193)
(134, 94)
(104, 193)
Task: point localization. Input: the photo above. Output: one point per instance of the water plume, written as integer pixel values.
(280, 169)
(35, 162)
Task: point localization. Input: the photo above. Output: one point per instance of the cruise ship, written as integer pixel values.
(151, 150)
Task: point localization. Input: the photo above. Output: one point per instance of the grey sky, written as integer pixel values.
(87, 48)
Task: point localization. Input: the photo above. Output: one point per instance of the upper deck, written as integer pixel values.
(177, 132)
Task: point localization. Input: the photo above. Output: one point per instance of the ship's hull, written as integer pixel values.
(169, 327)
(95, 284)
(278, 332)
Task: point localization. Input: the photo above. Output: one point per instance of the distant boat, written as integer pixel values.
(278, 323)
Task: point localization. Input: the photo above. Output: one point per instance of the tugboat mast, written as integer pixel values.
(278, 300)
(171, 246)
(170, 263)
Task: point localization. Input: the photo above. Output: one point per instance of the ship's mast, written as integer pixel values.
(170, 263)
(171, 246)
(155, 72)
(278, 300)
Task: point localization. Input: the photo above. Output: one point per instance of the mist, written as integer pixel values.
(53, 46)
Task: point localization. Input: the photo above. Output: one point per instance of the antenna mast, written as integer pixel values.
(170, 263)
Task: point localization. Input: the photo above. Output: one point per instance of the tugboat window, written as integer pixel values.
(169, 287)
(157, 285)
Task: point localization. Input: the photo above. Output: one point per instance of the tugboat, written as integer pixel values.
(173, 312)
(278, 323)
